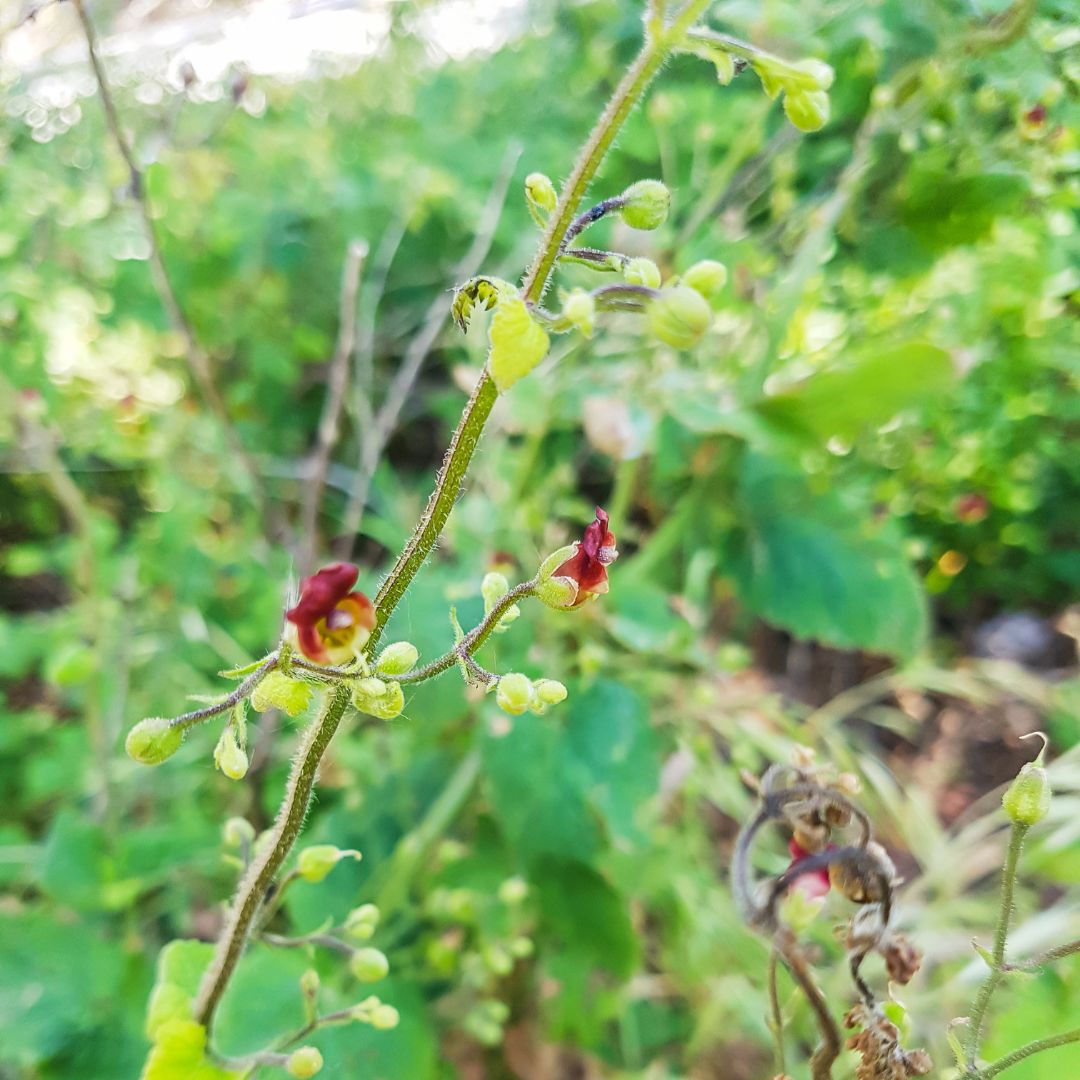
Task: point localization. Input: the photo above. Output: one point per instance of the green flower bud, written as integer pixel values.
(513, 890)
(557, 592)
(278, 691)
(309, 983)
(153, 740)
(369, 965)
(384, 1017)
(317, 861)
(514, 693)
(645, 204)
(377, 698)
(550, 691)
(679, 316)
(642, 271)
(229, 757)
(1027, 801)
(707, 277)
(497, 960)
(522, 947)
(237, 831)
(808, 110)
(398, 658)
(579, 309)
(360, 923)
(518, 343)
(540, 191)
(493, 588)
(304, 1063)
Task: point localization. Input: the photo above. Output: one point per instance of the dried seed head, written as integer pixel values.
(878, 1044)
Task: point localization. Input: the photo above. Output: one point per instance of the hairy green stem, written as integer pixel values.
(1059, 952)
(1036, 1047)
(264, 868)
(1001, 936)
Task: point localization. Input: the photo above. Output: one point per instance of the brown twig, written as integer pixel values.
(373, 437)
(197, 358)
(318, 464)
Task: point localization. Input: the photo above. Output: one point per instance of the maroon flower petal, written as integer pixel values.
(327, 604)
(587, 567)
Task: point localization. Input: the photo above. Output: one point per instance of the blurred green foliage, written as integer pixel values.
(876, 440)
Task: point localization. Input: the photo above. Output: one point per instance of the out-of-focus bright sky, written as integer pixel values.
(151, 43)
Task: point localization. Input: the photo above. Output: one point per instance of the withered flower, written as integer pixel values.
(878, 1043)
(331, 621)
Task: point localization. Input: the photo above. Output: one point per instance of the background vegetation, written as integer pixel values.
(827, 528)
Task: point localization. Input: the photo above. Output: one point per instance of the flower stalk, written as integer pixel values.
(263, 870)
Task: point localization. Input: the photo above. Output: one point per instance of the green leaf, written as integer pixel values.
(180, 967)
(818, 565)
(180, 1054)
(586, 917)
(850, 401)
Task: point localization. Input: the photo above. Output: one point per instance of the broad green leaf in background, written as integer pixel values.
(823, 568)
(857, 398)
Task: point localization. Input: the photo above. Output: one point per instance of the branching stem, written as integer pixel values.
(257, 881)
(1001, 935)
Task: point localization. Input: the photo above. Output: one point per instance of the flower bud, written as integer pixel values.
(384, 700)
(304, 1063)
(229, 757)
(679, 316)
(549, 691)
(309, 983)
(808, 110)
(497, 960)
(384, 1017)
(398, 658)
(360, 923)
(513, 890)
(493, 588)
(514, 693)
(317, 861)
(579, 309)
(642, 271)
(278, 691)
(237, 831)
(153, 740)
(369, 965)
(707, 277)
(559, 593)
(1027, 800)
(645, 204)
(540, 191)
(518, 343)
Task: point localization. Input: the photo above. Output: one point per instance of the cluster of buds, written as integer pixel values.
(516, 693)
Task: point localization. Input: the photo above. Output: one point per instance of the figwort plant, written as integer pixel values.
(331, 649)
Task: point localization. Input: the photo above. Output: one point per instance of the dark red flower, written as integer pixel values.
(1036, 116)
(971, 508)
(587, 567)
(331, 621)
(814, 883)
